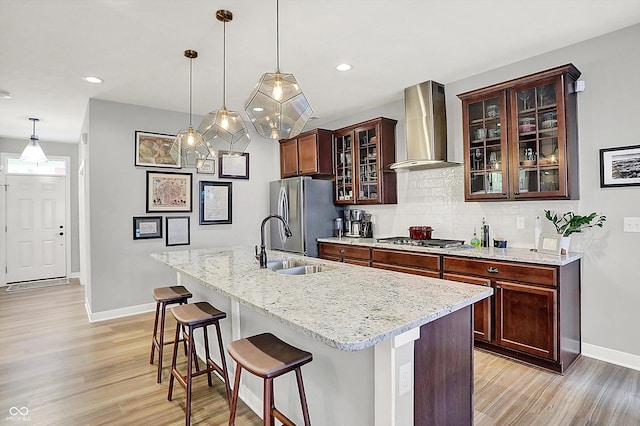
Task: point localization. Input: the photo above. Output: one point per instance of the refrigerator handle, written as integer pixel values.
(283, 210)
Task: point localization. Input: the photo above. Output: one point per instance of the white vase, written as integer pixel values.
(565, 242)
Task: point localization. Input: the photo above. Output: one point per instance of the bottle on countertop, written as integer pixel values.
(485, 233)
(475, 241)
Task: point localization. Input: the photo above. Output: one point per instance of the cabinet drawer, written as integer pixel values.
(544, 275)
(402, 258)
(343, 250)
(407, 270)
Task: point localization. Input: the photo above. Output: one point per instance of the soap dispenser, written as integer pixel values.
(475, 241)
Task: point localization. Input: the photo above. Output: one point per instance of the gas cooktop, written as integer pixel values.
(434, 242)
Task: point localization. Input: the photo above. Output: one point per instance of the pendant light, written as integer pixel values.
(189, 148)
(224, 129)
(277, 107)
(32, 152)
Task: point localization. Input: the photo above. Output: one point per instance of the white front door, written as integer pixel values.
(35, 227)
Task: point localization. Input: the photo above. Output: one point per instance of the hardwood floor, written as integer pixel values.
(67, 371)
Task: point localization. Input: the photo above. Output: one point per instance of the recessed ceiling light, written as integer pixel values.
(5, 95)
(93, 79)
(258, 109)
(343, 67)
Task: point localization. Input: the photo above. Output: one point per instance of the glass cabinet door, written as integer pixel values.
(538, 150)
(344, 169)
(368, 170)
(485, 141)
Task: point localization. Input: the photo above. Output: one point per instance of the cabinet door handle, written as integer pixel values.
(504, 193)
(493, 270)
(498, 287)
(341, 250)
(516, 193)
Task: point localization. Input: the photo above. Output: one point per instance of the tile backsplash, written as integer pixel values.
(436, 198)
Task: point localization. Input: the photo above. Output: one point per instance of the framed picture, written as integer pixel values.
(152, 150)
(215, 203)
(178, 231)
(208, 166)
(549, 243)
(233, 165)
(620, 166)
(145, 227)
(168, 192)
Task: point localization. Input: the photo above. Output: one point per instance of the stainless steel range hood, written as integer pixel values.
(426, 127)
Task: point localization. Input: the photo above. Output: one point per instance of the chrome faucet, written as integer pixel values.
(262, 257)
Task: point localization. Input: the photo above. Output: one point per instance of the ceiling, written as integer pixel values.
(136, 46)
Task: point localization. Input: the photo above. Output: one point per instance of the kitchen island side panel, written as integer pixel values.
(443, 387)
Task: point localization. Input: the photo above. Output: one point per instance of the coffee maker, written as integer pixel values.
(366, 227)
(357, 223)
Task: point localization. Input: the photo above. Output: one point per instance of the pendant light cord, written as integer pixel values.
(277, 36)
(224, 64)
(190, 85)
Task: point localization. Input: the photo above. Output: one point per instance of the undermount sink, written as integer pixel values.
(301, 270)
(293, 267)
(277, 264)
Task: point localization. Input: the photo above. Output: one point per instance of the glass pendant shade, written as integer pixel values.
(189, 147)
(33, 152)
(224, 130)
(277, 107)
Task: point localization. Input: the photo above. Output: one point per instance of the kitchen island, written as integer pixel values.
(389, 348)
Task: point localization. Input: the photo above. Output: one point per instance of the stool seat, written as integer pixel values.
(267, 356)
(195, 314)
(171, 294)
(165, 296)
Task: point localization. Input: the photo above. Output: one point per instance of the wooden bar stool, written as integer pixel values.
(194, 316)
(268, 357)
(165, 296)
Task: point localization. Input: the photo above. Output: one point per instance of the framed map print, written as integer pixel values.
(153, 150)
(215, 203)
(168, 192)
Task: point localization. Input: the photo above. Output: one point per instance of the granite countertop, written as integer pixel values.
(491, 253)
(346, 306)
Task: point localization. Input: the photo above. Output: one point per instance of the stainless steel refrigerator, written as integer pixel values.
(307, 206)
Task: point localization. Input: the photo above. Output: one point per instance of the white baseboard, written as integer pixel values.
(118, 313)
(611, 356)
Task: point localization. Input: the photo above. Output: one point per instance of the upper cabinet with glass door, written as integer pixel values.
(538, 138)
(362, 155)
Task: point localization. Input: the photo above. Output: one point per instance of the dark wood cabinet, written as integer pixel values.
(403, 261)
(526, 318)
(521, 139)
(355, 255)
(363, 153)
(306, 155)
(534, 314)
(481, 310)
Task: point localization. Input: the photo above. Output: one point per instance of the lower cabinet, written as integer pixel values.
(534, 314)
(403, 261)
(481, 309)
(355, 255)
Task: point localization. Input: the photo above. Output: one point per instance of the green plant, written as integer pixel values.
(570, 223)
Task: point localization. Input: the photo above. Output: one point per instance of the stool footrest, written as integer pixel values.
(286, 421)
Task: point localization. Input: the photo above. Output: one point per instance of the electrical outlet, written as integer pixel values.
(520, 222)
(631, 224)
(406, 371)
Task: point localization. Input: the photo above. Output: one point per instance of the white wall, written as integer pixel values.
(607, 113)
(122, 273)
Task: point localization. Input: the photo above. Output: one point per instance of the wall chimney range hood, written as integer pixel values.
(426, 128)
